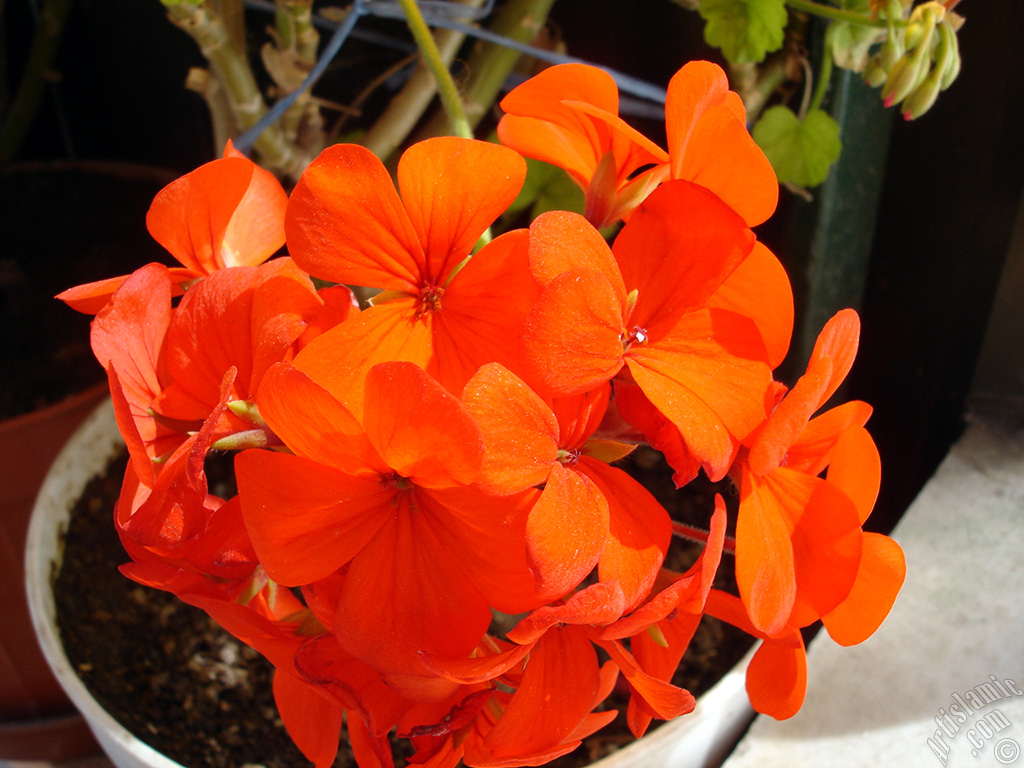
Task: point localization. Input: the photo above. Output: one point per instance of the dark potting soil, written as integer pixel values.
(181, 684)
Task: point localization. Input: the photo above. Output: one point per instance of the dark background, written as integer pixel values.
(951, 191)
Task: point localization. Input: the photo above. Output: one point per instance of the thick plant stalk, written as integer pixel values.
(235, 75)
(26, 102)
(408, 106)
(490, 64)
(298, 41)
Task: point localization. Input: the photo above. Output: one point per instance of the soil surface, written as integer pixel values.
(187, 688)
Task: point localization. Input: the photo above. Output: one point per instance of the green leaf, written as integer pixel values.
(801, 152)
(745, 30)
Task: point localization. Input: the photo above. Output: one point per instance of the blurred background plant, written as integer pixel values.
(262, 59)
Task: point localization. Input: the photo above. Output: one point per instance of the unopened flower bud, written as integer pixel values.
(907, 74)
(953, 67)
(894, 46)
(923, 97)
(875, 72)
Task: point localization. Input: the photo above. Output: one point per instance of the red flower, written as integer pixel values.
(642, 315)
(390, 500)
(799, 544)
(347, 223)
(568, 116)
(226, 213)
(588, 513)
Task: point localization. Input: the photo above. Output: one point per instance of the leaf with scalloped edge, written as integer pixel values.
(801, 152)
(745, 30)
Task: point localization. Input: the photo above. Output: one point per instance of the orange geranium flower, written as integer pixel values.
(390, 500)
(800, 548)
(226, 213)
(639, 312)
(568, 116)
(347, 223)
(588, 513)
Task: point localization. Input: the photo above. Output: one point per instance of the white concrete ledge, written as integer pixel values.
(954, 638)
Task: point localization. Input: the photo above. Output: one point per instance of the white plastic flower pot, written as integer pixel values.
(88, 452)
(699, 740)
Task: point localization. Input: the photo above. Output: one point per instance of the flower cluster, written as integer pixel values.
(430, 535)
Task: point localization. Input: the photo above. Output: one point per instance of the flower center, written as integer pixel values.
(637, 336)
(396, 481)
(568, 457)
(430, 299)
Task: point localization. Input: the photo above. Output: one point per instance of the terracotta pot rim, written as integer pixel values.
(47, 412)
(64, 736)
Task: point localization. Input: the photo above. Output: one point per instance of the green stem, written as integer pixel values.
(490, 64)
(297, 37)
(407, 107)
(445, 84)
(767, 81)
(33, 83)
(233, 71)
(838, 14)
(824, 77)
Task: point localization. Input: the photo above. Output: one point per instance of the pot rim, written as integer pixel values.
(87, 453)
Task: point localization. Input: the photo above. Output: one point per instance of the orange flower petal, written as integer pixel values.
(313, 424)
(190, 216)
(856, 469)
(406, 594)
(566, 531)
(639, 530)
(765, 568)
(561, 241)
(772, 441)
(313, 721)
(658, 697)
(345, 223)
(677, 249)
(826, 540)
(306, 519)
(453, 189)
(879, 578)
(838, 342)
(256, 229)
(339, 359)
(777, 676)
(488, 533)
(760, 289)
(707, 378)
(482, 312)
(812, 451)
(571, 342)
(709, 143)
(520, 432)
(557, 692)
(420, 430)
(598, 604)
(538, 125)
